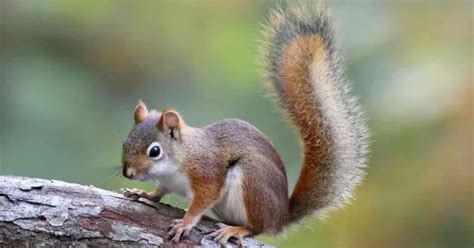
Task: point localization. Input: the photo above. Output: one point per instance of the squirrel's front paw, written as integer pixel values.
(178, 229)
(134, 193)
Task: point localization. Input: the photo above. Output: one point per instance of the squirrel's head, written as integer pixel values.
(151, 148)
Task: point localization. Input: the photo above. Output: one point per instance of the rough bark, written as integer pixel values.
(38, 212)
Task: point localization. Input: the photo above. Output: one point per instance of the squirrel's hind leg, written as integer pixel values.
(225, 232)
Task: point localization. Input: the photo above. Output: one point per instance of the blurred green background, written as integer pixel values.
(72, 71)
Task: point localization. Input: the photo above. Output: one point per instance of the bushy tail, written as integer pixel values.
(305, 72)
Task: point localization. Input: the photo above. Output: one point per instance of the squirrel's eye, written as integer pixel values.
(154, 151)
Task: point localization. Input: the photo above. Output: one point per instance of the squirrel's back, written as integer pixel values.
(238, 137)
(303, 68)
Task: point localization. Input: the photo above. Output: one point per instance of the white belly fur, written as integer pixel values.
(171, 178)
(230, 208)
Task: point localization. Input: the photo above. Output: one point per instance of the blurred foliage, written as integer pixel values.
(72, 71)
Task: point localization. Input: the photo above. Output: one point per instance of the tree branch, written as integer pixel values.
(38, 212)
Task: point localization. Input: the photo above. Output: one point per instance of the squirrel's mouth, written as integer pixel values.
(140, 177)
(133, 174)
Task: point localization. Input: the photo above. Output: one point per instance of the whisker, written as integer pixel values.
(112, 177)
(148, 177)
(114, 167)
(151, 178)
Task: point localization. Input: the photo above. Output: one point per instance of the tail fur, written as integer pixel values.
(304, 70)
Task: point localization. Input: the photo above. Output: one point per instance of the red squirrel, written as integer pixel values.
(232, 169)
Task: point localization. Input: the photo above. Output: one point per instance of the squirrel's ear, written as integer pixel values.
(141, 111)
(170, 122)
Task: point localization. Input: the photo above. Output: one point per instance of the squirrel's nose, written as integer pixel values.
(127, 172)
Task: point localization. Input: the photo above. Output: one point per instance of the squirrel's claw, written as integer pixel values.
(225, 232)
(134, 194)
(178, 230)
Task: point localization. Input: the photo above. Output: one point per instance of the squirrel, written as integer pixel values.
(232, 169)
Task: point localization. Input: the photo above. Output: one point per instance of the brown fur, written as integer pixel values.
(206, 175)
(264, 184)
(302, 67)
(298, 56)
